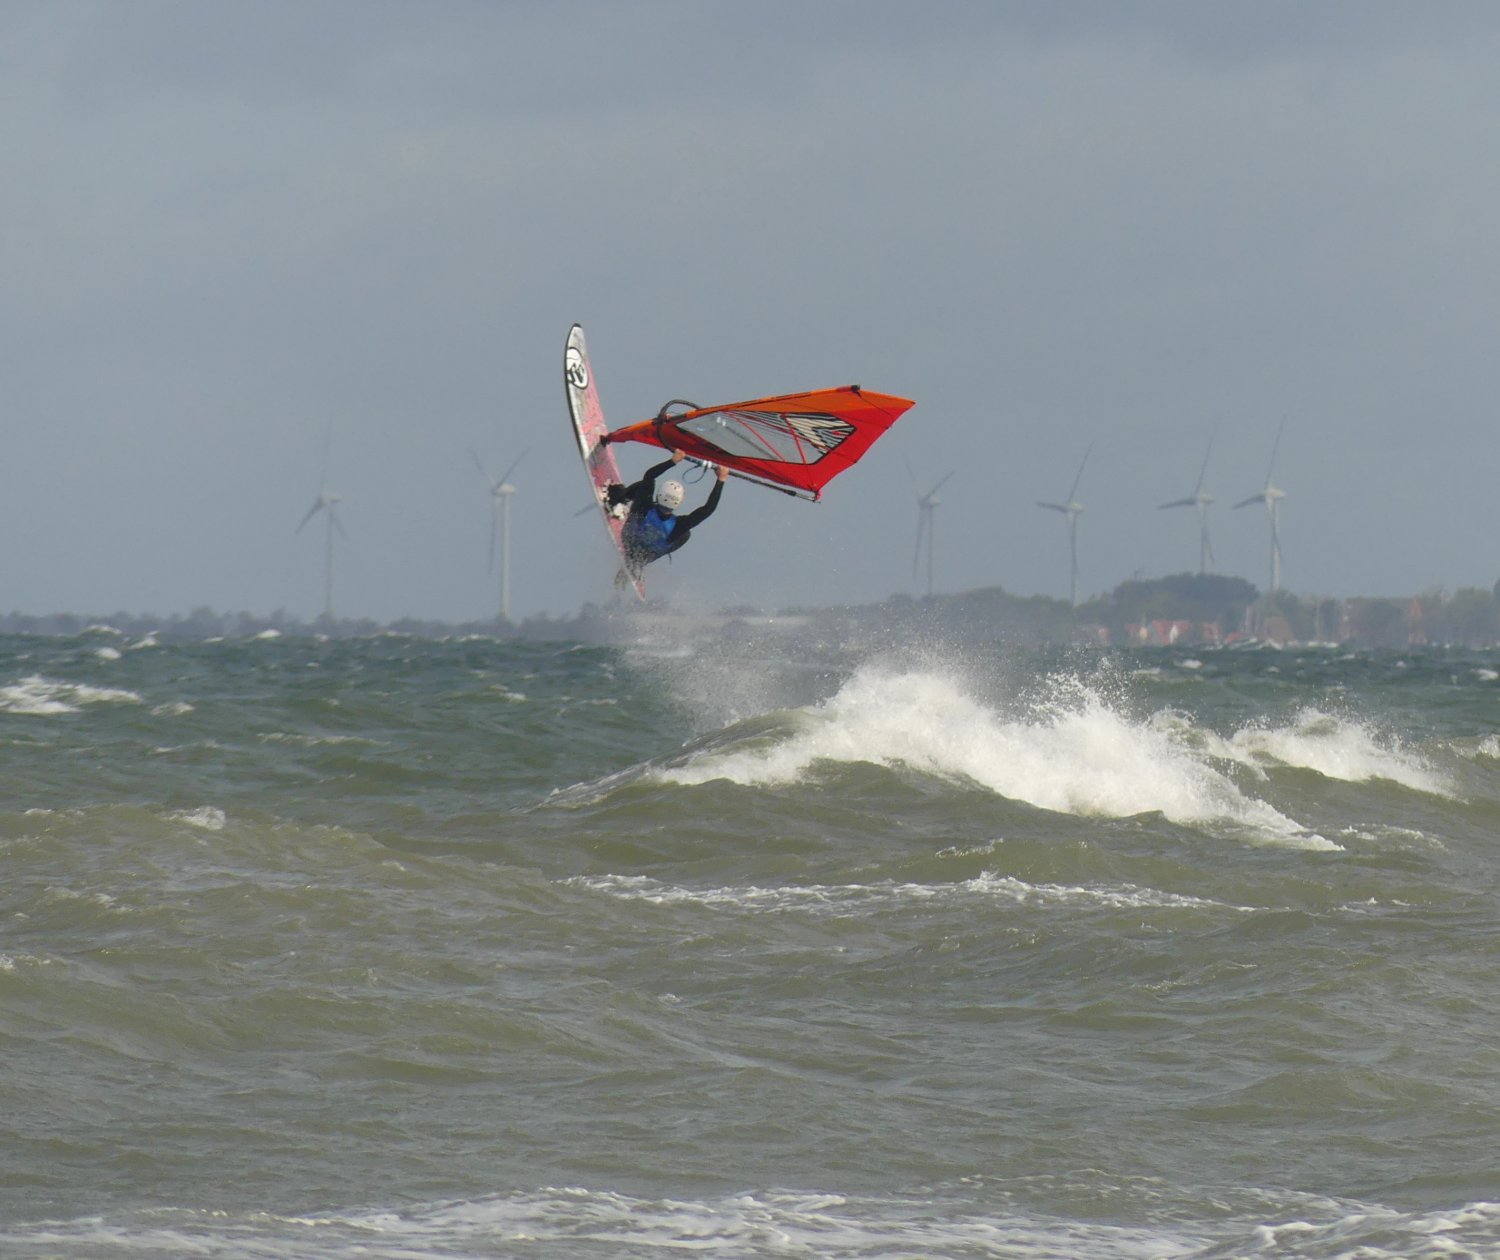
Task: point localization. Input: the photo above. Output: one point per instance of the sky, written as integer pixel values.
(238, 236)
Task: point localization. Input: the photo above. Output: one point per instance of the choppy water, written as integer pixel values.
(395, 948)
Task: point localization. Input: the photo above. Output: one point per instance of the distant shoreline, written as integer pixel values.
(1204, 610)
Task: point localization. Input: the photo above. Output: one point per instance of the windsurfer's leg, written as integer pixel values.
(631, 570)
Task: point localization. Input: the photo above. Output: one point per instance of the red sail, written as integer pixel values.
(795, 442)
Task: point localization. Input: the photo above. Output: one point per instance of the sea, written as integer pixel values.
(746, 945)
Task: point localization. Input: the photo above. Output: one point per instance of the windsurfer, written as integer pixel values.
(652, 527)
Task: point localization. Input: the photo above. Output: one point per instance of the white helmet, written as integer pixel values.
(669, 495)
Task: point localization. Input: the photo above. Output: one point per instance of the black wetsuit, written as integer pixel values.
(643, 541)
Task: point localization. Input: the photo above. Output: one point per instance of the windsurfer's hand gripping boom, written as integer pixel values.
(718, 470)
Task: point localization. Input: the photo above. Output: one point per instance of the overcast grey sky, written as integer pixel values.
(229, 229)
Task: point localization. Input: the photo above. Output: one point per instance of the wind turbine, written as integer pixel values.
(927, 505)
(1272, 498)
(500, 492)
(325, 503)
(1072, 509)
(1200, 501)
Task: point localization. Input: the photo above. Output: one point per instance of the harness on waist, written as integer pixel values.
(651, 532)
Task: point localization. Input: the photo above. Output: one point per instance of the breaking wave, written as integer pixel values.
(1336, 748)
(1074, 753)
(36, 696)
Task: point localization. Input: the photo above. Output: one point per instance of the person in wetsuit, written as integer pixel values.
(652, 527)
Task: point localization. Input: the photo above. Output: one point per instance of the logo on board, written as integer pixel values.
(576, 367)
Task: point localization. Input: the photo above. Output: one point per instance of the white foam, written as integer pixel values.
(107, 653)
(41, 697)
(762, 1223)
(838, 900)
(207, 818)
(1488, 747)
(60, 895)
(578, 1220)
(1073, 754)
(1336, 748)
(14, 962)
(1404, 838)
(315, 741)
(1380, 1232)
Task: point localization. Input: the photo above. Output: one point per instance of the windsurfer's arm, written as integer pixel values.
(656, 470)
(693, 519)
(641, 491)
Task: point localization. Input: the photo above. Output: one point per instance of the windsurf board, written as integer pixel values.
(598, 459)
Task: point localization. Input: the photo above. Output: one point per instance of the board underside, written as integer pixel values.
(598, 459)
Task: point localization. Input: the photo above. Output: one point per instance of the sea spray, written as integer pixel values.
(1074, 753)
(1335, 747)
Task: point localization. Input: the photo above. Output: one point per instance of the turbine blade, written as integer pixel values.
(311, 512)
(1204, 469)
(1052, 507)
(481, 468)
(939, 485)
(1254, 498)
(327, 446)
(1275, 446)
(1179, 503)
(506, 475)
(912, 475)
(1073, 493)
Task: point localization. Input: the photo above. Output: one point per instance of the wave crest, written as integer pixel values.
(35, 696)
(1071, 753)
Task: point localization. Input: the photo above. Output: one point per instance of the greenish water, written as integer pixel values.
(398, 948)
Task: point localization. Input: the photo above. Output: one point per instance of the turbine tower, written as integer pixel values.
(325, 503)
(1200, 501)
(500, 493)
(1072, 509)
(927, 505)
(1272, 498)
